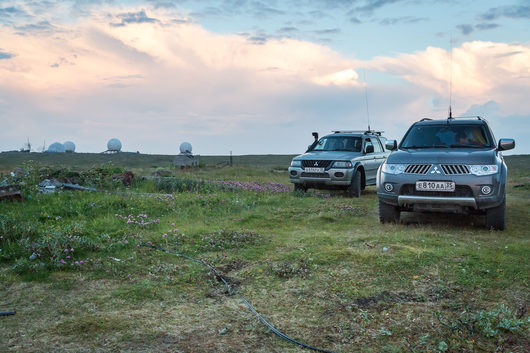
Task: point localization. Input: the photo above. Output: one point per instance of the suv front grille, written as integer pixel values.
(460, 191)
(455, 169)
(319, 163)
(417, 168)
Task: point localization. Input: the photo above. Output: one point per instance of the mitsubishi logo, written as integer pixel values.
(316, 164)
(435, 171)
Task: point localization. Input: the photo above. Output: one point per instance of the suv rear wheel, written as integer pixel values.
(496, 216)
(388, 213)
(354, 190)
(300, 187)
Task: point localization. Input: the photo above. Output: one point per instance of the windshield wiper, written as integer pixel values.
(418, 147)
(465, 146)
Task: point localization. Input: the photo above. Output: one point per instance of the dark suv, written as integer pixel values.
(451, 165)
(342, 160)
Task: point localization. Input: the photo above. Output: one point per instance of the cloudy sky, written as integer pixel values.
(255, 77)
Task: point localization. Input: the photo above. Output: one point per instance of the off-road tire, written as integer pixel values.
(496, 216)
(388, 213)
(300, 187)
(354, 190)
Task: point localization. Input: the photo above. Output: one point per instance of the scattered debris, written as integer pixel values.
(11, 196)
(78, 187)
(51, 186)
(48, 186)
(10, 192)
(17, 173)
(126, 177)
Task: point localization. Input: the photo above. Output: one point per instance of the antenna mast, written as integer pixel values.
(366, 98)
(451, 77)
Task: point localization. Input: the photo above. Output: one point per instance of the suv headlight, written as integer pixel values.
(487, 169)
(296, 163)
(393, 168)
(342, 164)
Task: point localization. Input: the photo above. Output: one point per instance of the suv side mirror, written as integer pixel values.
(506, 144)
(369, 149)
(391, 145)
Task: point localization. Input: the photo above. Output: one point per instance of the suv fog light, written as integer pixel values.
(389, 187)
(339, 174)
(486, 189)
(293, 172)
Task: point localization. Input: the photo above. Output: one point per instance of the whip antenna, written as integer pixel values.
(366, 98)
(451, 77)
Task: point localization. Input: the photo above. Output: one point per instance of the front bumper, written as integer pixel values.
(466, 197)
(339, 177)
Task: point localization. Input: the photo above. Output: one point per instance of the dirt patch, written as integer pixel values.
(287, 269)
(235, 265)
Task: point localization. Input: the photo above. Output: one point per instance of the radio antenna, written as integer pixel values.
(451, 77)
(366, 98)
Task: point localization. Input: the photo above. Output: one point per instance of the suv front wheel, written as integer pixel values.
(388, 213)
(300, 187)
(354, 190)
(496, 216)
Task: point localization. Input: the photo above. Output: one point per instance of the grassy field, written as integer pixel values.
(318, 266)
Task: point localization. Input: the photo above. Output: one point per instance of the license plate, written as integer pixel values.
(448, 186)
(314, 170)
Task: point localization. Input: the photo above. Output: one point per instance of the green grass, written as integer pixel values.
(322, 269)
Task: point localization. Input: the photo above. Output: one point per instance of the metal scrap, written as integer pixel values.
(51, 186)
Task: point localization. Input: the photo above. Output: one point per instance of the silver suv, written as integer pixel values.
(451, 165)
(342, 160)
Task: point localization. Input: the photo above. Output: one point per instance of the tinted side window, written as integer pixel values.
(367, 143)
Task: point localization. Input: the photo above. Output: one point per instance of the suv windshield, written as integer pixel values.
(338, 143)
(447, 136)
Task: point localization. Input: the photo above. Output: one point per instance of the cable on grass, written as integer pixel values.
(8, 313)
(232, 290)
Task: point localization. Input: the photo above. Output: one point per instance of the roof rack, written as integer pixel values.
(457, 117)
(466, 117)
(366, 132)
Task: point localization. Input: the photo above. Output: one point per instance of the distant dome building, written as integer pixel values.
(56, 147)
(69, 147)
(185, 158)
(185, 147)
(114, 145)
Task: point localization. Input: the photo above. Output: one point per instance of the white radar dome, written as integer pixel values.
(69, 146)
(185, 147)
(56, 147)
(114, 145)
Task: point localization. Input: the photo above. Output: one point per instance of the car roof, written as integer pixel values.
(453, 121)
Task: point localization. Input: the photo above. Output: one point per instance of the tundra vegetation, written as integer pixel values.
(319, 266)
